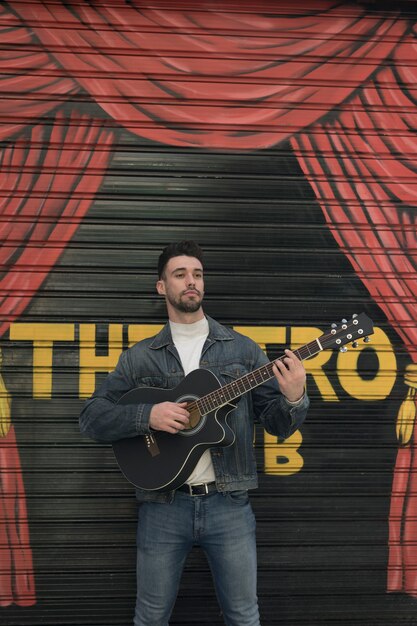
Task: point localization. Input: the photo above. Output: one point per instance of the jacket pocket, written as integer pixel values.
(153, 381)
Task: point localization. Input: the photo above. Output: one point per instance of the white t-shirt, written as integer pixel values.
(189, 341)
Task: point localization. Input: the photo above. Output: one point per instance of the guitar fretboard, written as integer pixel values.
(237, 388)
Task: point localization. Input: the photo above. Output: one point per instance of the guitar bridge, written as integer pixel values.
(151, 445)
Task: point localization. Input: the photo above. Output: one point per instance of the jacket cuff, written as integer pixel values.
(142, 419)
(297, 402)
(296, 413)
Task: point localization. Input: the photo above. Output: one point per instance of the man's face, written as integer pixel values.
(182, 284)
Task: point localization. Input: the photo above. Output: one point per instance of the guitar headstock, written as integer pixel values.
(358, 327)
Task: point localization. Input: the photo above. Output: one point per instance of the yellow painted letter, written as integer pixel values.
(314, 365)
(282, 458)
(43, 337)
(377, 388)
(90, 363)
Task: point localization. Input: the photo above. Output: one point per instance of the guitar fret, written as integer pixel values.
(307, 347)
(221, 395)
(265, 374)
(203, 402)
(246, 382)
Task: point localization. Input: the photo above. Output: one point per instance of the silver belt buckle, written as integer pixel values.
(198, 485)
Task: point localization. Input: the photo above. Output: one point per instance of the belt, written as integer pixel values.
(203, 489)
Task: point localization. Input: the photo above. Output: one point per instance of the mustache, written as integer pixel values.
(196, 291)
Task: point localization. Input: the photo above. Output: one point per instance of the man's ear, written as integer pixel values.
(160, 287)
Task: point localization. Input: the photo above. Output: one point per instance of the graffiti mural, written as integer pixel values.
(334, 81)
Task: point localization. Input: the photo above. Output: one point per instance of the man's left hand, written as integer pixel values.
(291, 376)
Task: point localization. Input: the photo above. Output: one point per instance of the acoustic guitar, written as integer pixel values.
(162, 461)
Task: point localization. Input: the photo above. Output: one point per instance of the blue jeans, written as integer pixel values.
(223, 524)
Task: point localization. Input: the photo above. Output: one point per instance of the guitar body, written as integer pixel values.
(162, 461)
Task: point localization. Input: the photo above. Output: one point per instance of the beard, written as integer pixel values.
(185, 304)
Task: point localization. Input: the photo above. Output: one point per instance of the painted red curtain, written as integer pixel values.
(50, 176)
(366, 183)
(51, 166)
(244, 77)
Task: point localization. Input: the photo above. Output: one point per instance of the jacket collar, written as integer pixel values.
(217, 332)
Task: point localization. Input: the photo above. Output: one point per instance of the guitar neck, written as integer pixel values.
(240, 386)
(360, 326)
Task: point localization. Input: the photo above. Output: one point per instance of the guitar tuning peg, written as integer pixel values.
(355, 344)
(334, 325)
(354, 316)
(344, 321)
(366, 340)
(344, 349)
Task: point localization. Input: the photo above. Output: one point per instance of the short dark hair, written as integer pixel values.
(187, 248)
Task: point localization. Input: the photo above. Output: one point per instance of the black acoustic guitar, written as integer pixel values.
(162, 461)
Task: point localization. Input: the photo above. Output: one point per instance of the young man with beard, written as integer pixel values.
(212, 508)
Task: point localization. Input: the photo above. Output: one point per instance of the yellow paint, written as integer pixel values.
(377, 388)
(314, 366)
(90, 363)
(282, 457)
(137, 332)
(43, 337)
(263, 334)
(5, 406)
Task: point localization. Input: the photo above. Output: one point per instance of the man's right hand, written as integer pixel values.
(169, 416)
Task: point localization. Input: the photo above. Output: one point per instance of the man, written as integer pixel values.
(212, 508)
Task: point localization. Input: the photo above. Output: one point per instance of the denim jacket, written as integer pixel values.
(155, 362)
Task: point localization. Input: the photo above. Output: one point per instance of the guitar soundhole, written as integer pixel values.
(196, 419)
